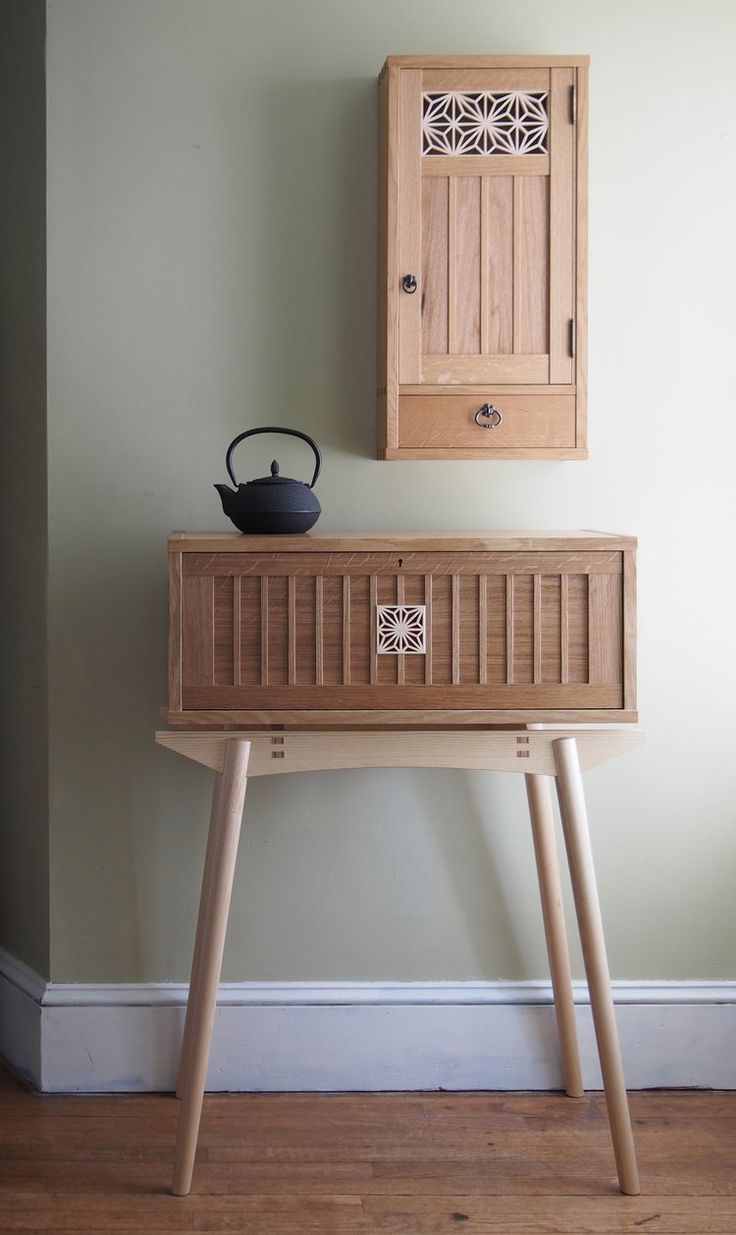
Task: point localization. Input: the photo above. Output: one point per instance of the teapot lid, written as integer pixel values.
(274, 478)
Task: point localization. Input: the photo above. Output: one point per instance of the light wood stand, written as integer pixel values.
(540, 755)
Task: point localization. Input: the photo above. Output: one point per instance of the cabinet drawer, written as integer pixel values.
(446, 422)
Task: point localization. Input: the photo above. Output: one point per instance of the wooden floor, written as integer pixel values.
(282, 1164)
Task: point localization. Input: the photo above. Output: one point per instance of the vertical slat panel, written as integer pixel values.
(496, 625)
(455, 635)
(237, 604)
(509, 629)
(550, 634)
(373, 592)
(224, 629)
(605, 613)
(198, 630)
(564, 631)
(523, 629)
(485, 259)
(482, 630)
(577, 624)
(346, 630)
(278, 630)
(428, 629)
(537, 629)
(264, 630)
(410, 306)
(319, 629)
(250, 630)
(561, 222)
(304, 619)
(414, 665)
(499, 225)
(333, 629)
(360, 624)
(400, 659)
(433, 288)
(175, 620)
(531, 265)
(464, 271)
(291, 629)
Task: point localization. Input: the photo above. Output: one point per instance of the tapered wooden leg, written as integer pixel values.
(587, 907)
(204, 910)
(203, 988)
(539, 794)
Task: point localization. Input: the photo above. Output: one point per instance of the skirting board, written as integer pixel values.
(358, 1036)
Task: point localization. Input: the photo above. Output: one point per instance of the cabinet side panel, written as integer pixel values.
(581, 256)
(629, 629)
(388, 359)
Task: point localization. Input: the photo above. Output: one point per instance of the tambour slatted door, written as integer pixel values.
(424, 629)
(481, 279)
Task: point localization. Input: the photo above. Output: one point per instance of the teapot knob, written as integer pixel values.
(274, 467)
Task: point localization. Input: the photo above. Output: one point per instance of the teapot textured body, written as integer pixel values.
(271, 504)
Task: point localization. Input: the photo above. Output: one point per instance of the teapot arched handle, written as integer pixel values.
(271, 429)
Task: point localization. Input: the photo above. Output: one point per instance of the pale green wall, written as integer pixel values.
(24, 844)
(212, 194)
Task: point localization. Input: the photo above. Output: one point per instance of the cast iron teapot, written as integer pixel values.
(271, 503)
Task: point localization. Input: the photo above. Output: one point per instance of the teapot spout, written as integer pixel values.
(226, 497)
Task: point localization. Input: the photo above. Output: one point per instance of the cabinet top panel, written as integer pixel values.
(484, 62)
(377, 542)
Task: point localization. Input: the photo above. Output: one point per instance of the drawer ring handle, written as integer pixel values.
(491, 414)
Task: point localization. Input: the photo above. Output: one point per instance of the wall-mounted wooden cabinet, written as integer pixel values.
(482, 257)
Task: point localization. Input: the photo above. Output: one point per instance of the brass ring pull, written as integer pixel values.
(491, 415)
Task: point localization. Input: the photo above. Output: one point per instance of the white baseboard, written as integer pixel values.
(86, 1038)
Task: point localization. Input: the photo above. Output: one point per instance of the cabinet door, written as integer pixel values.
(486, 190)
(267, 633)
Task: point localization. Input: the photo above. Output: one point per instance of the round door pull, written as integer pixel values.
(409, 284)
(490, 414)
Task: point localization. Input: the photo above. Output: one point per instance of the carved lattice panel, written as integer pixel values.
(485, 122)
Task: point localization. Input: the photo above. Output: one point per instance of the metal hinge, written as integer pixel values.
(573, 105)
(572, 338)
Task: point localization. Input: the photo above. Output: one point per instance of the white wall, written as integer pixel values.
(211, 190)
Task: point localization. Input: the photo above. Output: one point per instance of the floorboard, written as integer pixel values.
(402, 1164)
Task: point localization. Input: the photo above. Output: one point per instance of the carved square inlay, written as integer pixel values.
(401, 628)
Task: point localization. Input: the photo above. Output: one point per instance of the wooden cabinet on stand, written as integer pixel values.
(482, 257)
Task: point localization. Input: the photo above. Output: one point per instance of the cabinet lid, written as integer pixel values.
(399, 541)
